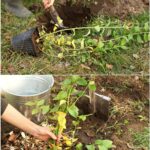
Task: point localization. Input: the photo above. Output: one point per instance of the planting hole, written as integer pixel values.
(72, 16)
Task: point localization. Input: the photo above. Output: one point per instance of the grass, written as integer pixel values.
(141, 139)
(17, 63)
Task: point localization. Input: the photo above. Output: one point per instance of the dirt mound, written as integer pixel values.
(135, 89)
(120, 8)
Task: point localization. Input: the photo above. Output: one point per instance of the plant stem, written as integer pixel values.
(81, 28)
(68, 99)
(90, 47)
(81, 95)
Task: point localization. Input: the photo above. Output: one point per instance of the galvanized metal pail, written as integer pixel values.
(20, 89)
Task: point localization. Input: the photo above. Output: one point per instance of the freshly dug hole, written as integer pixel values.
(99, 107)
(72, 16)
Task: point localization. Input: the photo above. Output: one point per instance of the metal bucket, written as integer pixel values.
(19, 90)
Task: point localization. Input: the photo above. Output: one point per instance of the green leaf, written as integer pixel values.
(73, 91)
(67, 82)
(62, 102)
(137, 29)
(34, 111)
(111, 43)
(45, 109)
(82, 117)
(145, 37)
(130, 37)
(102, 147)
(55, 109)
(139, 39)
(92, 86)
(41, 102)
(124, 47)
(83, 58)
(104, 144)
(146, 26)
(97, 28)
(123, 42)
(65, 87)
(79, 146)
(31, 103)
(100, 44)
(73, 111)
(90, 147)
(109, 31)
(82, 82)
(149, 37)
(91, 42)
(75, 123)
(61, 95)
(60, 55)
(75, 78)
(80, 93)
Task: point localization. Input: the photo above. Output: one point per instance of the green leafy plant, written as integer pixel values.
(39, 106)
(101, 145)
(90, 45)
(65, 104)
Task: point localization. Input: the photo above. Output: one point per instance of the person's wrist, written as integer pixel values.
(34, 130)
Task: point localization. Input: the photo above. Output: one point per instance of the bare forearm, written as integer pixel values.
(14, 117)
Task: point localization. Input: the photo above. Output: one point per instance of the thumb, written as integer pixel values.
(52, 135)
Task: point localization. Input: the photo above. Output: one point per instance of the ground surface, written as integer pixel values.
(119, 8)
(124, 62)
(128, 117)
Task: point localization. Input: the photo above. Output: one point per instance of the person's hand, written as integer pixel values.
(48, 3)
(58, 138)
(43, 133)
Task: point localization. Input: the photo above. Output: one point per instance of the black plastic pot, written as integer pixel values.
(26, 42)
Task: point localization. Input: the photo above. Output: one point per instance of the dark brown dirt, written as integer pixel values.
(129, 100)
(125, 93)
(119, 8)
(77, 14)
(73, 16)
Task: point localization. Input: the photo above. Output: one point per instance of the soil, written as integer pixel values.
(77, 14)
(119, 8)
(72, 16)
(129, 99)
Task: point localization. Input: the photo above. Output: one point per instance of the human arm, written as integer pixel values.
(48, 3)
(14, 117)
